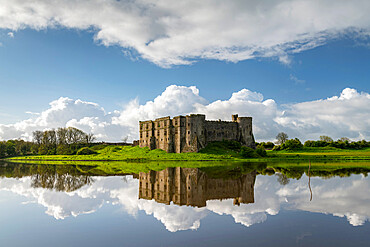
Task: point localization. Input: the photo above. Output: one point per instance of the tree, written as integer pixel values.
(37, 137)
(124, 139)
(281, 138)
(282, 179)
(90, 138)
(344, 139)
(326, 139)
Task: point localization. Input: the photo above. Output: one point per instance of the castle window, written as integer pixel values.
(165, 132)
(165, 123)
(158, 133)
(159, 125)
(188, 124)
(189, 132)
(147, 134)
(141, 135)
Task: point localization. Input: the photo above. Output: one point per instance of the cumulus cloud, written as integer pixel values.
(338, 116)
(11, 34)
(176, 33)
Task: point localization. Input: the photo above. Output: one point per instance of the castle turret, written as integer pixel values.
(245, 131)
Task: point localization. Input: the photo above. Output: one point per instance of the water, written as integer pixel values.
(64, 206)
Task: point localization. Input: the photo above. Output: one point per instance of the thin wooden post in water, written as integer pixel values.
(309, 180)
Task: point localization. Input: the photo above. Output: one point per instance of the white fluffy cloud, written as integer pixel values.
(170, 32)
(345, 115)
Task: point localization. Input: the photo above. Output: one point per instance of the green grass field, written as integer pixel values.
(213, 153)
(127, 153)
(322, 153)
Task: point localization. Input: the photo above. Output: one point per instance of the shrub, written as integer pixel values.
(85, 151)
(261, 151)
(292, 144)
(247, 152)
(64, 149)
(267, 145)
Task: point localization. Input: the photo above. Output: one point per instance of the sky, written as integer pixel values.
(301, 67)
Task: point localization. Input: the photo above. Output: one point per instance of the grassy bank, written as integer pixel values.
(322, 153)
(213, 153)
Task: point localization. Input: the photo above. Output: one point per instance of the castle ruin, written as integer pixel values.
(193, 132)
(193, 187)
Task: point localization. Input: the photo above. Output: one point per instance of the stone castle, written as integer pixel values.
(193, 187)
(192, 132)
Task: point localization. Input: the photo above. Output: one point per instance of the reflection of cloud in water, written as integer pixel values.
(347, 197)
(344, 197)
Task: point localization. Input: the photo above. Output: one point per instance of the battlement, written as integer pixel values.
(192, 132)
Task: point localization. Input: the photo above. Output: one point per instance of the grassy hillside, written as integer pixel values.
(127, 153)
(213, 152)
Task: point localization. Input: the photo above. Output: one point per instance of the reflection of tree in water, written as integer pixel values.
(282, 179)
(60, 182)
(66, 178)
(61, 178)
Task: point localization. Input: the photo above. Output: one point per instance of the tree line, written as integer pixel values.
(283, 143)
(55, 141)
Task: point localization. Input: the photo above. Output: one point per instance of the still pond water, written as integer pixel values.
(59, 206)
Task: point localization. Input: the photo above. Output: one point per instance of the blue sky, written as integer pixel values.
(54, 51)
(37, 67)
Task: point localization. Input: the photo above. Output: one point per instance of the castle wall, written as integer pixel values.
(193, 132)
(146, 134)
(162, 133)
(179, 133)
(221, 130)
(195, 136)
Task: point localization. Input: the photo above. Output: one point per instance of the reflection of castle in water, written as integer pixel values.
(191, 186)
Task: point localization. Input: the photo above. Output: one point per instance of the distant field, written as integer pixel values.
(323, 153)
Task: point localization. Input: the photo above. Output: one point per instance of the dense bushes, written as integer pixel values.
(292, 144)
(267, 145)
(233, 148)
(85, 151)
(260, 150)
(222, 147)
(16, 147)
(342, 143)
(247, 152)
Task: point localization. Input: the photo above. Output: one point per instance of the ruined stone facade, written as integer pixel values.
(192, 187)
(192, 132)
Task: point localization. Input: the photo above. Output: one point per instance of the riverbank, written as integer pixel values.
(137, 154)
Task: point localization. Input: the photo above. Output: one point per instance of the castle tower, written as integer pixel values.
(195, 136)
(245, 130)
